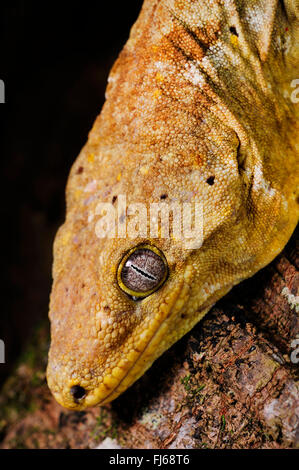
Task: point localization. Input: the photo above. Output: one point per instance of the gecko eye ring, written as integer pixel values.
(142, 271)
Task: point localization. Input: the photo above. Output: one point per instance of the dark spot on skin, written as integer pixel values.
(211, 180)
(163, 196)
(233, 30)
(114, 199)
(80, 170)
(106, 307)
(183, 315)
(78, 392)
(83, 285)
(297, 199)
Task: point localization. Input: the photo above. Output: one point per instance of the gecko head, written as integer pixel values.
(118, 303)
(113, 314)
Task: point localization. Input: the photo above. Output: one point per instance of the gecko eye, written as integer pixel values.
(142, 271)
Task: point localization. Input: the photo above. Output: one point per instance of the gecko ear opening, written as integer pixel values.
(142, 271)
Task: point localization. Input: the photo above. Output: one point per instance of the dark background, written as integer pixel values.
(54, 59)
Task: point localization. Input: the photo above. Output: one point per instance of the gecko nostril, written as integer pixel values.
(78, 392)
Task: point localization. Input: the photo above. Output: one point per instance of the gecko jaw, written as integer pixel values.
(144, 355)
(151, 344)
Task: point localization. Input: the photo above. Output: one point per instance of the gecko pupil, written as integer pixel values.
(143, 270)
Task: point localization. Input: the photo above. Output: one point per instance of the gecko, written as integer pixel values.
(201, 107)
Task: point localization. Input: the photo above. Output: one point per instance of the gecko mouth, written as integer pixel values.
(148, 352)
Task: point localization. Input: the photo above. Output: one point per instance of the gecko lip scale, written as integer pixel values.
(93, 399)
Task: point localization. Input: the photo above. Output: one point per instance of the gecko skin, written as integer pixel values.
(199, 107)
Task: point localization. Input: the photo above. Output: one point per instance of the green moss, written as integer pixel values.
(103, 427)
(223, 422)
(203, 445)
(38, 378)
(185, 381)
(22, 390)
(193, 389)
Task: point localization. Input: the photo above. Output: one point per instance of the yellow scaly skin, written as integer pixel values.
(201, 92)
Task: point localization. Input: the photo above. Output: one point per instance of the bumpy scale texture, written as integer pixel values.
(199, 108)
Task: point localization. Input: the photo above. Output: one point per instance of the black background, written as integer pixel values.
(54, 59)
